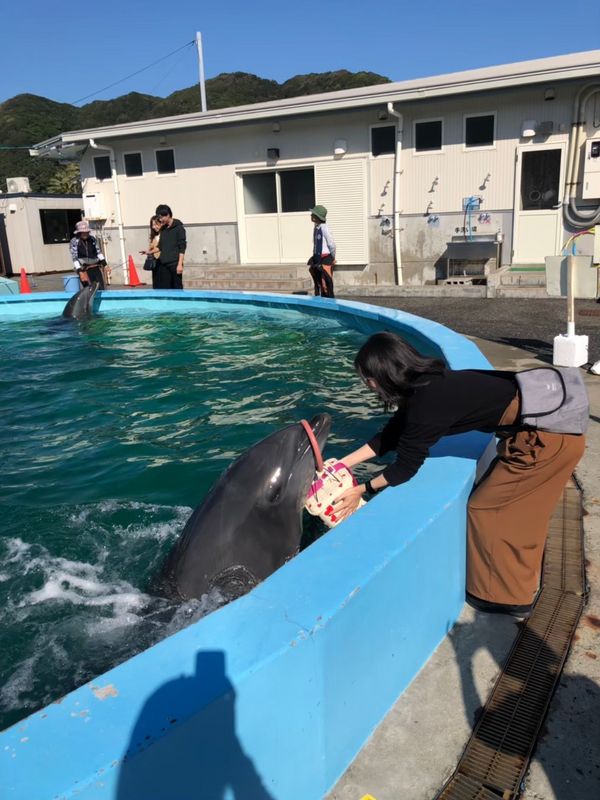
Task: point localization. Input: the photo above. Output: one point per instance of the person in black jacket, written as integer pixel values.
(169, 269)
(509, 511)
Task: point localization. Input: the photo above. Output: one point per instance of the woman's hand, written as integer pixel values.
(347, 503)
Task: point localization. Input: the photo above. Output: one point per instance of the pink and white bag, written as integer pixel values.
(332, 481)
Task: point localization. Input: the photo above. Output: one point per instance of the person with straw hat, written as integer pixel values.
(87, 257)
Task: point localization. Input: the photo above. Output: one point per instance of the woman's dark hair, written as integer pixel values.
(395, 365)
(153, 218)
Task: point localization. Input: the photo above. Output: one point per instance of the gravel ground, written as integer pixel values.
(530, 324)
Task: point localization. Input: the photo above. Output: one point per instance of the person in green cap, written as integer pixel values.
(321, 262)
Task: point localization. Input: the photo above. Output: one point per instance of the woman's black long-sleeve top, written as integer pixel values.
(443, 404)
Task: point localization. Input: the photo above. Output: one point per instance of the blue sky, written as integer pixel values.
(67, 51)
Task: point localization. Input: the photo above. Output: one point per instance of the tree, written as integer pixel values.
(66, 180)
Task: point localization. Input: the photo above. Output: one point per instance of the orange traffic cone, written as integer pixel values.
(24, 283)
(133, 276)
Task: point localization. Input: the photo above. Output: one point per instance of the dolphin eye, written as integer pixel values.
(273, 494)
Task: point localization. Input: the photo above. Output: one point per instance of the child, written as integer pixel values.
(323, 258)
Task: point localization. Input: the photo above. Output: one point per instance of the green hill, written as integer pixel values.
(27, 118)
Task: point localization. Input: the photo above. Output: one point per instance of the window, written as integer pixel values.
(479, 130)
(165, 161)
(58, 224)
(383, 139)
(297, 189)
(133, 165)
(102, 167)
(280, 191)
(260, 195)
(428, 135)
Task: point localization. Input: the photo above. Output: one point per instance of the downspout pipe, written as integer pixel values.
(397, 156)
(573, 215)
(117, 193)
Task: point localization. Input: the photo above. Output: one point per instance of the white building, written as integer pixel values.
(35, 229)
(497, 162)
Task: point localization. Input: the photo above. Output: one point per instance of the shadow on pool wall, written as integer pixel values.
(272, 696)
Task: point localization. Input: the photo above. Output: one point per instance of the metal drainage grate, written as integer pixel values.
(563, 556)
(465, 788)
(497, 755)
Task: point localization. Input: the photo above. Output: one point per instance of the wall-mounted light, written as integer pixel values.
(340, 146)
(273, 153)
(276, 127)
(382, 114)
(528, 128)
(162, 140)
(549, 93)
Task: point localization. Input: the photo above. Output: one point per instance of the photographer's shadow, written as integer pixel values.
(184, 744)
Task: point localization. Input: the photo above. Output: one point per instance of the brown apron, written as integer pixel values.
(509, 511)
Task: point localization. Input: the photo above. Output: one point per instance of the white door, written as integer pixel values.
(539, 181)
(276, 226)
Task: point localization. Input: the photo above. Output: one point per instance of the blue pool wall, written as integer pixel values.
(273, 695)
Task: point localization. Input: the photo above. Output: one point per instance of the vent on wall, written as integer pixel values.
(17, 185)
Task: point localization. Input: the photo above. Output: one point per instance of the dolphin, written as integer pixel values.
(81, 305)
(250, 523)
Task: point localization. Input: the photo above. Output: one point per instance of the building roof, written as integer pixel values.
(39, 195)
(567, 67)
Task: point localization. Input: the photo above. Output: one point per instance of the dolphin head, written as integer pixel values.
(284, 464)
(250, 522)
(81, 305)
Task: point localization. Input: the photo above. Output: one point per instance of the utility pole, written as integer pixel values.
(201, 71)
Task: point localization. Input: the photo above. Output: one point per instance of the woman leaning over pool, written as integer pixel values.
(509, 511)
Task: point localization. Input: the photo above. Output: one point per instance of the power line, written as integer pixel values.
(133, 74)
(176, 63)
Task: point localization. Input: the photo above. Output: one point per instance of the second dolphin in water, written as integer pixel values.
(81, 305)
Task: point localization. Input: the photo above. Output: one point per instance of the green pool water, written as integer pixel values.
(111, 432)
